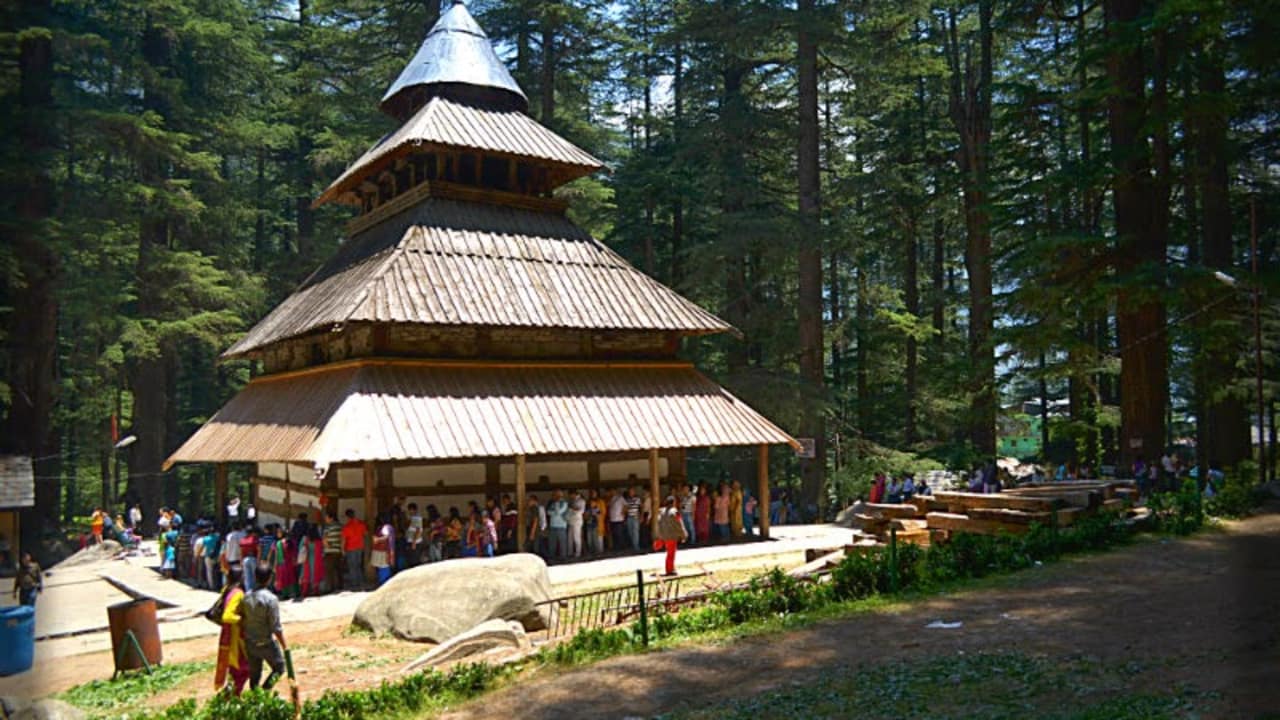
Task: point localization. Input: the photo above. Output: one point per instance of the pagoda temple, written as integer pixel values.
(468, 339)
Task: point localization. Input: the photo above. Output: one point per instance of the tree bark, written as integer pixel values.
(1226, 417)
(32, 323)
(1140, 245)
(809, 286)
(970, 110)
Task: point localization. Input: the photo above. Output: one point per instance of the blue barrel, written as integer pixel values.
(17, 639)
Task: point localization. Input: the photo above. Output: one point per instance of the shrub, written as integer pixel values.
(1236, 497)
(1180, 512)
(856, 576)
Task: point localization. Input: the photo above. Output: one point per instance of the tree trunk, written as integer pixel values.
(148, 379)
(970, 110)
(31, 323)
(547, 81)
(809, 300)
(1226, 417)
(1140, 313)
(733, 205)
(912, 296)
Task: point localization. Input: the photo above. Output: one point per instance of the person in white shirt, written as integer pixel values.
(618, 519)
(231, 548)
(573, 519)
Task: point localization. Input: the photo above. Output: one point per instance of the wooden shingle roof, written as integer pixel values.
(447, 123)
(386, 410)
(450, 262)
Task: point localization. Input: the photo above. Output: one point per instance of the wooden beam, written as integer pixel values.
(963, 523)
(762, 488)
(958, 502)
(370, 490)
(655, 497)
(520, 518)
(219, 490)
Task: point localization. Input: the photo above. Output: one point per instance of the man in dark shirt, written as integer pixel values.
(263, 635)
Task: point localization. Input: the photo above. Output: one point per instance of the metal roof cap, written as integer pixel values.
(455, 51)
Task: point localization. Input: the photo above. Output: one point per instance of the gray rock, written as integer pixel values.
(486, 636)
(434, 602)
(49, 710)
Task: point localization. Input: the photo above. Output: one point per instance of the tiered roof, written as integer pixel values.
(448, 262)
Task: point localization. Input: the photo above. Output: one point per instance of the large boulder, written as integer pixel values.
(434, 602)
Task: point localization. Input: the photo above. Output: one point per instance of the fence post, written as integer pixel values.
(893, 560)
(644, 615)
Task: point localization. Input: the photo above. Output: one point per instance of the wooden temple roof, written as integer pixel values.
(444, 123)
(448, 262)
(389, 410)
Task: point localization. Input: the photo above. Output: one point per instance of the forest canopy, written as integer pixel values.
(937, 225)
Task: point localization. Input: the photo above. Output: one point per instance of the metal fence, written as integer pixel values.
(616, 605)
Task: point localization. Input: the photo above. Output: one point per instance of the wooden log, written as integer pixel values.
(909, 524)
(1067, 516)
(958, 502)
(963, 523)
(892, 511)
(1011, 516)
(922, 537)
(817, 564)
(1115, 505)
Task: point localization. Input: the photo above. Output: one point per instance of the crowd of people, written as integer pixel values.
(314, 554)
(895, 490)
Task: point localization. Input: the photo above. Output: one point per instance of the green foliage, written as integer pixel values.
(1237, 496)
(1181, 512)
(392, 699)
(128, 690)
(592, 644)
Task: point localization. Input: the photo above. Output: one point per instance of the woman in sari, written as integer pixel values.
(311, 561)
(735, 509)
(284, 561)
(232, 660)
(474, 535)
(702, 514)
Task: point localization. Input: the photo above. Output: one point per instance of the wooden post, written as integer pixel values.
(762, 489)
(370, 513)
(655, 502)
(521, 520)
(219, 490)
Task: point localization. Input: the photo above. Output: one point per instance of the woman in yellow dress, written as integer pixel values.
(735, 510)
(231, 655)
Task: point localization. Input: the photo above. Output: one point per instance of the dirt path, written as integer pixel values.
(1204, 610)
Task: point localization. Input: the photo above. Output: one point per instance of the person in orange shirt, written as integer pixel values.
(354, 537)
(600, 512)
(95, 525)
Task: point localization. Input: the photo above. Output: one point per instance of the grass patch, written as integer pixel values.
(104, 697)
(995, 686)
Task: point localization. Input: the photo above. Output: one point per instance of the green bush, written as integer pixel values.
(1181, 512)
(411, 694)
(1235, 498)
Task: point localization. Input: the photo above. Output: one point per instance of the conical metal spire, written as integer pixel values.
(455, 58)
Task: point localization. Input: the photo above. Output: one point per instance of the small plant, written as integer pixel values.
(128, 690)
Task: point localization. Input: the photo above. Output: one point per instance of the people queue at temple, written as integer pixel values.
(312, 554)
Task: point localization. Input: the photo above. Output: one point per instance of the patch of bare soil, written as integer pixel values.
(324, 656)
(1203, 610)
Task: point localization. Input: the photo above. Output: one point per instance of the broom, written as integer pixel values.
(294, 696)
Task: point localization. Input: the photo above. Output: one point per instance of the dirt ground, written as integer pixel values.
(1203, 610)
(324, 656)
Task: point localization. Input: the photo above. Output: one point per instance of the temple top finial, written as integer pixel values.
(456, 59)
